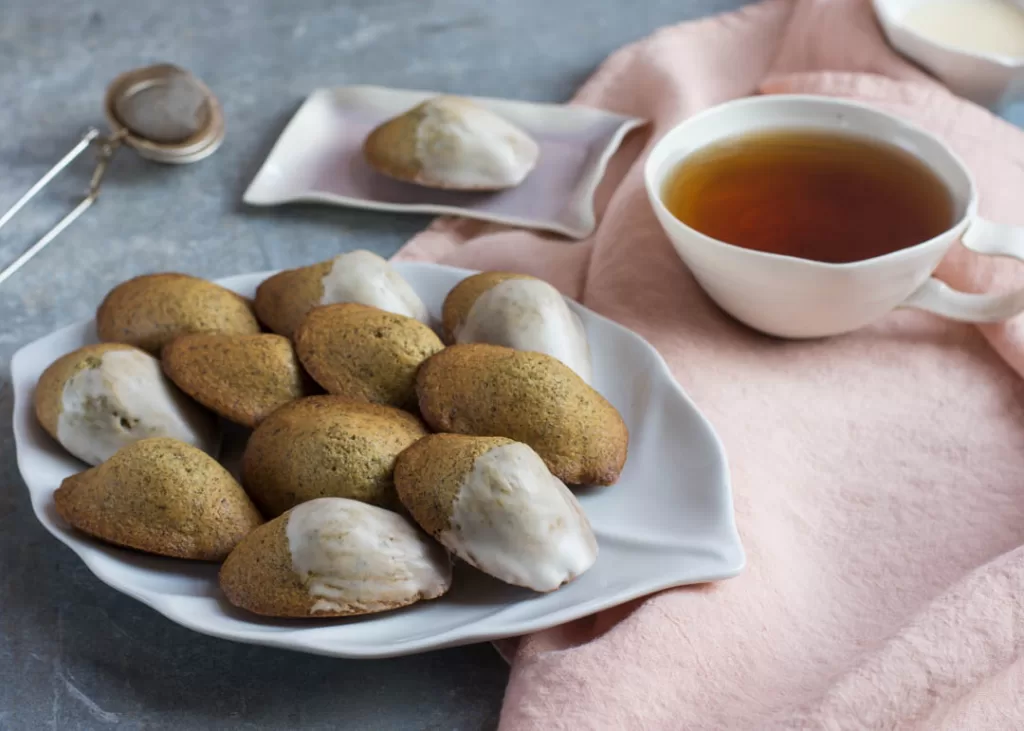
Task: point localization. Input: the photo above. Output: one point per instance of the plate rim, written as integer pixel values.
(292, 640)
(587, 225)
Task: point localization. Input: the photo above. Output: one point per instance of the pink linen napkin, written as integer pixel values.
(878, 477)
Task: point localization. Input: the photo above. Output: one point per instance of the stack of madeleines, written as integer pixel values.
(378, 449)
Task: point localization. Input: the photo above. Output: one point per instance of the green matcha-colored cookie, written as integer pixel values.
(364, 353)
(100, 398)
(160, 496)
(241, 377)
(283, 300)
(326, 446)
(453, 143)
(463, 295)
(334, 557)
(490, 390)
(151, 310)
(493, 503)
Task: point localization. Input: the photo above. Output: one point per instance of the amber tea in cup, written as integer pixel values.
(824, 196)
(836, 214)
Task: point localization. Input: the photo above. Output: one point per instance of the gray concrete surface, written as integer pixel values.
(74, 654)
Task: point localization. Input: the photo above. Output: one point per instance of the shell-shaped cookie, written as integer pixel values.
(454, 143)
(519, 312)
(241, 377)
(364, 353)
(151, 310)
(100, 398)
(461, 297)
(161, 496)
(326, 446)
(334, 557)
(491, 390)
(283, 300)
(494, 504)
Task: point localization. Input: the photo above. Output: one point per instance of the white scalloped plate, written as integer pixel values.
(668, 522)
(318, 158)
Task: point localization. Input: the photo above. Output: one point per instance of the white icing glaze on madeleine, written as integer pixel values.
(351, 555)
(529, 314)
(367, 279)
(460, 144)
(516, 521)
(124, 399)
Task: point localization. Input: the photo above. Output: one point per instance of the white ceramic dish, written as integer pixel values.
(318, 158)
(668, 522)
(991, 80)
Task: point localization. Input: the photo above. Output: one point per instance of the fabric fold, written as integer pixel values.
(878, 477)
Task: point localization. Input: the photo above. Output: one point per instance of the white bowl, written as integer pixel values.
(991, 80)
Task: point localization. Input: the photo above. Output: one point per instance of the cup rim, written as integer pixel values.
(654, 187)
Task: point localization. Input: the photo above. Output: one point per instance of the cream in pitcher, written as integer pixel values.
(976, 26)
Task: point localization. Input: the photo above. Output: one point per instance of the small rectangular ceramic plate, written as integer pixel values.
(319, 158)
(668, 521)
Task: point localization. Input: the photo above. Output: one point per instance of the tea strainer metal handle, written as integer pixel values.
(163, 112)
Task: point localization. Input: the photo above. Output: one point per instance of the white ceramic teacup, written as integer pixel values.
(798, 298)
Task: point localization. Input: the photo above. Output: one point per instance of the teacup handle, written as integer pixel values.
(990, 239)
